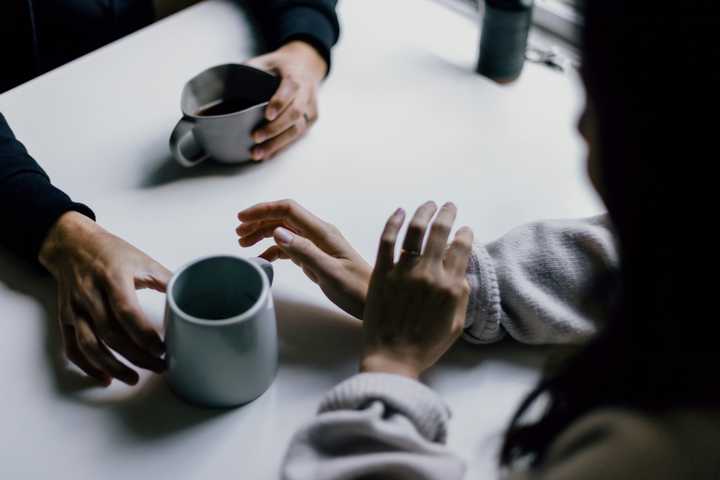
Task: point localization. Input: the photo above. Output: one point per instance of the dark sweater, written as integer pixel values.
(29, 203)
(313, 21)
(45, 34)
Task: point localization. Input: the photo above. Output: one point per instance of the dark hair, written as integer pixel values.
(651, 71)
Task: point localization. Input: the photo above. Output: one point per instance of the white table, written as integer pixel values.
(403, 119)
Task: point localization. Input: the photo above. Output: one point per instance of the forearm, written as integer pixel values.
(375, 424)
(29, 204)
(547, 282)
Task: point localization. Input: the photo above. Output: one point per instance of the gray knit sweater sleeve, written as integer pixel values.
(546, 282)
(375, 425)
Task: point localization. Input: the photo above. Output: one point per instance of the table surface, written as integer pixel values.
(403, 119)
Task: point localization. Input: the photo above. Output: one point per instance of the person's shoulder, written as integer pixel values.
(664, 430)
(630, 444)
(626, 433)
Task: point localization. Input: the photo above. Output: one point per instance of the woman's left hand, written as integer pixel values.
(416, 306)
(293, 109)
(313, 244)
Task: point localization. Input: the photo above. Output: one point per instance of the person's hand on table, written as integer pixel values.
(314, 245)
(293, 109)
(97, 274)
(416, 306)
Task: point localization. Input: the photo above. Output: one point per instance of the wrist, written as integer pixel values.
(383, 363)
(67, 232)
(308, 55)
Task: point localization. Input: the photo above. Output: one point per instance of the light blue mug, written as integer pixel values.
(220, 331)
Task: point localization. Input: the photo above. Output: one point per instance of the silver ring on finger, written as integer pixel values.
(409, 253)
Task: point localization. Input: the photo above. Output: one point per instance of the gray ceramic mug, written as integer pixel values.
(220, 331)
(221, 107)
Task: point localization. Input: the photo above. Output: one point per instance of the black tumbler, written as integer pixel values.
(503, 41)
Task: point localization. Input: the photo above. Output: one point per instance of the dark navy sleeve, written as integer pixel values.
(29, 204)
(313, 21)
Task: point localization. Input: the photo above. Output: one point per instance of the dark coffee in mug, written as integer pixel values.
(224, 107)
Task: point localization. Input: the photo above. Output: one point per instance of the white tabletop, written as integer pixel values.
(403, 119)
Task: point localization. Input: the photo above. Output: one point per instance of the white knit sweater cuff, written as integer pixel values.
(482, 322)
(423, 407)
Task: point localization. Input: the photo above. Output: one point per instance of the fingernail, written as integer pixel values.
(283, 236)
(271, 113)
(257, 154)
(258, 137)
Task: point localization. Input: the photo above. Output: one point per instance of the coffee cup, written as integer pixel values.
(220, 331)
(221, 107)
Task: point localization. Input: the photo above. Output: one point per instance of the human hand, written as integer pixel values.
(415, 308)
(316, 246)
(293, 109)
(97, 274)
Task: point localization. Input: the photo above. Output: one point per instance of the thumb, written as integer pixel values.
(302, 251)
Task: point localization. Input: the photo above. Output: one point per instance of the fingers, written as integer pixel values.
(303, 252)
(416, 230)
(85, 340)
(98, 354)
(274, 253)
(289, 214)
(268, 149)
(131, 318)
(253, 233)
(252, 226)
(440, 231)
(73, 353)
(458, 254)
(285, 94)
(114, 321)
(386, 252)
(292, 115)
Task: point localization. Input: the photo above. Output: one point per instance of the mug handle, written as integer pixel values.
(181, 134)
(265, 266)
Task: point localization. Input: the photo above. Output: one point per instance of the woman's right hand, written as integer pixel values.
(416, 306)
